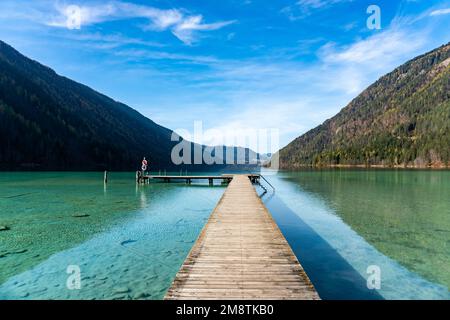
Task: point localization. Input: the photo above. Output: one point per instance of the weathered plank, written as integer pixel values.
(241, 254)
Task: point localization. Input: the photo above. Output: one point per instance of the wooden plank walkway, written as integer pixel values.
(241, 254)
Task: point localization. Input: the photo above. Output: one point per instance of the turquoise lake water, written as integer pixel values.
(130, 241)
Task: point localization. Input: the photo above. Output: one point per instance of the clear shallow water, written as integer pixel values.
(130, 245)
(133, 240)
(339, 222)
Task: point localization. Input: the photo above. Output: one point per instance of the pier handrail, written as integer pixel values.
(273, 188)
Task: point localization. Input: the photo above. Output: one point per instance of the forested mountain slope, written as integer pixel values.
(49, 122)
(403, 119)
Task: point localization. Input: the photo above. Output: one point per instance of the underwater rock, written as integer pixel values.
(186, 241)
(127, 242)
(141, 295)
(19, 251)
(38, 291)
(80, 215)
(167, 253)
(121, 290)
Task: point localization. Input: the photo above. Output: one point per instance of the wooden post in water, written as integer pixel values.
(138, 177)
(105, 177)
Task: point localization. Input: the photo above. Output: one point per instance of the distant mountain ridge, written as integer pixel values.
(49, 122)
(402, 120)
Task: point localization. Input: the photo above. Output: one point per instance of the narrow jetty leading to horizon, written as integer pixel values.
(241, 254)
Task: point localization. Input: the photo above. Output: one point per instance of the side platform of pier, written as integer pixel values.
(226, 178)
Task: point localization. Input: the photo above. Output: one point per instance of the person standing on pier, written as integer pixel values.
(144, 166)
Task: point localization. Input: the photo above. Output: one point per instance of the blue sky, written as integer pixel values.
(285, 64)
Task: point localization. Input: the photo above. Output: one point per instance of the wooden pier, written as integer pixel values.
(190, 178)
(241, 254)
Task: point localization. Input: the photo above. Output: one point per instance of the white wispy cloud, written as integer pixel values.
(440, 12)
(110, 41)
(386, 46)
(186, 28)
(356, 65)
(179, 22)
(304, 8)
(139, 55)
(319, 3)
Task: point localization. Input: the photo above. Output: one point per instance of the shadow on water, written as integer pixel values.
(332, 276)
